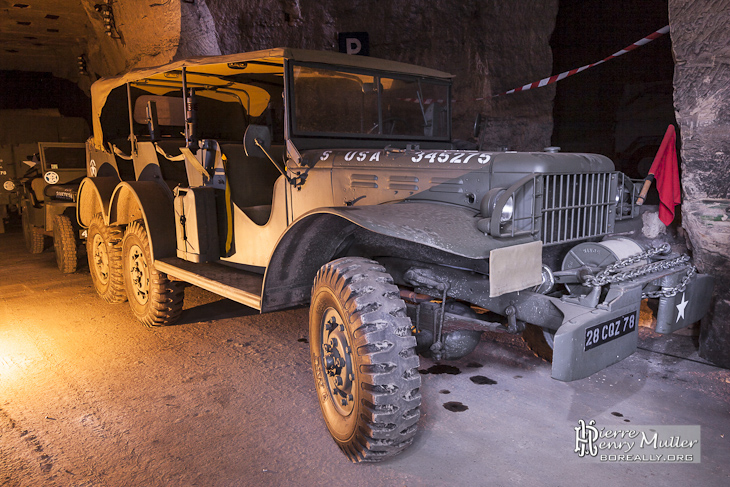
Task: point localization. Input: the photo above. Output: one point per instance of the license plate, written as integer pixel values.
(605, 332)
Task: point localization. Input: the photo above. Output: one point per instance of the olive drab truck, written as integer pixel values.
(47, 201)
(285, 177)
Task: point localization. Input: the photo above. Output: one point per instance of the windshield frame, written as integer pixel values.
(291, 125)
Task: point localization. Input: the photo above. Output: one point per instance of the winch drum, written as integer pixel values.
(596, 256)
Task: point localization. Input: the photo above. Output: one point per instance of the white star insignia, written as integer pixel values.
(680, 308)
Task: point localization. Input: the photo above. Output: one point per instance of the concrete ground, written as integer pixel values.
(89, 397)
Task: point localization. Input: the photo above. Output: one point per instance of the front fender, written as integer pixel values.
(319, 236)
(446, 227)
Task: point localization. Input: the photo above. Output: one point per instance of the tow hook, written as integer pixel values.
(513, 326)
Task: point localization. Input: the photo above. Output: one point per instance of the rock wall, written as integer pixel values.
(490, 45)
(147, 33)
(477, 40)
(701, 44)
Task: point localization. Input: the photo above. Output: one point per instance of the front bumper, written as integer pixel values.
(591, 340)
(590, 332)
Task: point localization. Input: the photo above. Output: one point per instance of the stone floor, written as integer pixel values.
(89, 397)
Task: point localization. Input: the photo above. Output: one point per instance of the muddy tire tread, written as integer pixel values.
(165, 296)
(389, 379)
(35, 240)
(113, 292)
(64, 243)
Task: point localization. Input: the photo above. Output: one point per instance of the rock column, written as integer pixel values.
(701, 45)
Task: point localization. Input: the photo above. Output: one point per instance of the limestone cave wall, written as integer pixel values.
(145, 34)
(701, 45)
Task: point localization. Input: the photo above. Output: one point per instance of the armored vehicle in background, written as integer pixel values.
(285, 177)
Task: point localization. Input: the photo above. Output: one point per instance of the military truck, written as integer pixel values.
(48, 200)
(20, 131)
(285, 177)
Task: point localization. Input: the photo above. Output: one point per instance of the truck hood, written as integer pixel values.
(495, 162)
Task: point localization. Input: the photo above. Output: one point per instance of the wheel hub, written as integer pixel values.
(337, 361)
(101, 258)
(139, 274)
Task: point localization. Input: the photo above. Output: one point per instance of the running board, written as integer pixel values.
(237, 285)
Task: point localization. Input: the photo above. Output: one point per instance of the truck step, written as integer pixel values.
(234, 284)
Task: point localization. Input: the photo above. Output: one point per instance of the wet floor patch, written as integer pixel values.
(303, 340)
(440, 369)
(482, 380)
(455, 406)
(444, 391)
(619, 415)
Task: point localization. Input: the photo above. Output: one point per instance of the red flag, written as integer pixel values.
(665, 171)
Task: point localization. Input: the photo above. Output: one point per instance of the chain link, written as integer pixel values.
(668, 292)
(611, 273)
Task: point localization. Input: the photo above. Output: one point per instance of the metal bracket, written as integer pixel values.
(427, 278)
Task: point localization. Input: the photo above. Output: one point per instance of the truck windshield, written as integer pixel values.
(64, 158)
(336, 102)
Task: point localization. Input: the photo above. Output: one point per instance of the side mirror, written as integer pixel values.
(257, 141)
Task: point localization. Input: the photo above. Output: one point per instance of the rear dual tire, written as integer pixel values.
(104, 252)
(155, 300)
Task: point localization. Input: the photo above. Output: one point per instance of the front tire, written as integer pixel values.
(155, 300)
(64, 244)
(364, 360)
(104, 252)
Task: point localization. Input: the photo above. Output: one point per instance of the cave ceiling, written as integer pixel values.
(43, 35)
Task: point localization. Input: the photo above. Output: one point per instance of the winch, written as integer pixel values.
(590, 258)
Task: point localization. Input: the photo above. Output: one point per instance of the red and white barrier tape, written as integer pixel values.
(557, 77)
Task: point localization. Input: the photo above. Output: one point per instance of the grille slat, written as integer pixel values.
(576, 206)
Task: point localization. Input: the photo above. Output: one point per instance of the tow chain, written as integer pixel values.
(612, 274)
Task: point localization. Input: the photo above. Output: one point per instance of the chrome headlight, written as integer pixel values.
(508, 210)
(489, 203)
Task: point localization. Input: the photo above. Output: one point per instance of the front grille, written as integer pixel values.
(577, 206)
